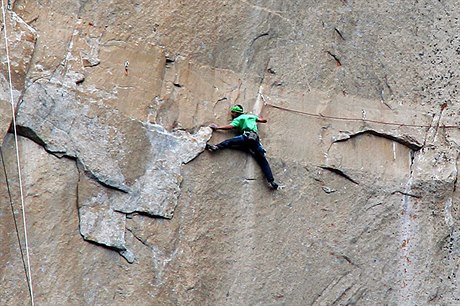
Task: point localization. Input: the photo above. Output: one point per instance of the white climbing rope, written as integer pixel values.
(29, 278)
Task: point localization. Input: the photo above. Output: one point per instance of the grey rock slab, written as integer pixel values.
(157, 191)
(98, 222)
(68, 127)
(103, 225)
(141, 160)
(85, 272)
(114, 148)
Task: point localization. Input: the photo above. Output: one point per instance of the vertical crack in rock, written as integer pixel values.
(408, 156)
(408, 242)
(161, 261)
(448, 214)
(452, 239)
(339, 33)
(390, 91)
(456, 176)
(245, 239)
(69, 49)
(432, 131)
(429, 130)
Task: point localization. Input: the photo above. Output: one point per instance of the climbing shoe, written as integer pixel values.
(211, 147)
(273, 185)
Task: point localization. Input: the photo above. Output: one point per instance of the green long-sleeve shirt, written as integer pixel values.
(245, 122)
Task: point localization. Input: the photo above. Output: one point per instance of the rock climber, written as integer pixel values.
(246, 140)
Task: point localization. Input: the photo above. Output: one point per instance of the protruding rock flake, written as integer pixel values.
(103, 225)
(156, 192)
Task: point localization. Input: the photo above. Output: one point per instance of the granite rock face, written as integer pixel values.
(113, 102)
(18, 41)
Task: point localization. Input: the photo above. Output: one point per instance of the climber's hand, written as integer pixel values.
(213, 126)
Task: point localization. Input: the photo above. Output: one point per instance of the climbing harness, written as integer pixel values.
(251, 136)
(29, 274)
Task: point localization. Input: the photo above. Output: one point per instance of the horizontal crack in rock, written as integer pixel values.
(105, 183)
(339, 172)
(143, 213)
(29, 134)
(259, 36)
(411, 145)
(407, 194)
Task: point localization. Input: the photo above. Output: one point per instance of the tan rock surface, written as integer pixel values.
(14, 63)
(66, 270)
(362, 105)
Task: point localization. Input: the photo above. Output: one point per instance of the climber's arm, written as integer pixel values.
(221, 127)
(261, 119)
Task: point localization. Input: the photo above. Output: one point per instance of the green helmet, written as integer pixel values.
(237, 109)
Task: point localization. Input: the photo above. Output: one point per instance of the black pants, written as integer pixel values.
(254, 148)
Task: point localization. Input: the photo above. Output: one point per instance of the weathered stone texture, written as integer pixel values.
(21, 44)
(361, 99)
(66, 270)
